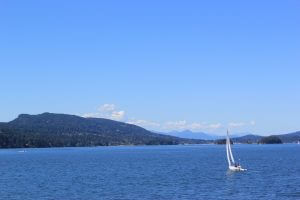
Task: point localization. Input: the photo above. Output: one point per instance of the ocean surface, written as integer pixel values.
(150, 172)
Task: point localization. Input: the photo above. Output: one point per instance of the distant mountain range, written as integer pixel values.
(237, 137)
(61, 130)
(285, 138)
(199, 135)
(191, 135)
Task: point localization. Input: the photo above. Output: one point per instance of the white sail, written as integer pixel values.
(227, 152)
(229, 147)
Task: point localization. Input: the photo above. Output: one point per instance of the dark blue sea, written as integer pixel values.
(150, 172)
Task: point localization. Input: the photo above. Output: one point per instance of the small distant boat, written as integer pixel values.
(233, 166)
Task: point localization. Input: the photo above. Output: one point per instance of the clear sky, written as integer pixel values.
(164, 65)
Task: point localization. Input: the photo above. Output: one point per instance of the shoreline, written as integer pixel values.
(205, 144)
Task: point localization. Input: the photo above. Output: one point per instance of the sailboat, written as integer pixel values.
(233, 166)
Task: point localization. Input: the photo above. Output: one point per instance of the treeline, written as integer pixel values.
(270, 140)
(253, 140)
(17, 140)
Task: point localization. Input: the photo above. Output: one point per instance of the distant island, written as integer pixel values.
(255, 139)
(273, 139)
(62, 130)
(270, 140)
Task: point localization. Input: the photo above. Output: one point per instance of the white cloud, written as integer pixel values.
(215, 126)
(174, 125)
(108, 111)
(89, 115)
(117, 115)
(144, 123)
(194, 126)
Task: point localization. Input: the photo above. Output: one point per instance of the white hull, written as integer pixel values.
(238, 168)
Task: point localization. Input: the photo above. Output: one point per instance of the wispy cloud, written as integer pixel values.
(108, 111)
(144, 123)
(194, 126)
(176, 125)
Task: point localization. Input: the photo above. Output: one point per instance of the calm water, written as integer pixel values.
(150, 172)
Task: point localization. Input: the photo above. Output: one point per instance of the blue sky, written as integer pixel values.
(164, 65)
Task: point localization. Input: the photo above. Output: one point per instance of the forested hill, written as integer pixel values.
(290, 137)
(61, 130)
(285, 138)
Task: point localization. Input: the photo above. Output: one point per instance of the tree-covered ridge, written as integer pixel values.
(290, 138)
(61, 130)
(254, 139)
(270, 140)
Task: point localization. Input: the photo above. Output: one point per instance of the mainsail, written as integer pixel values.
(230, 158)
(227, 152)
